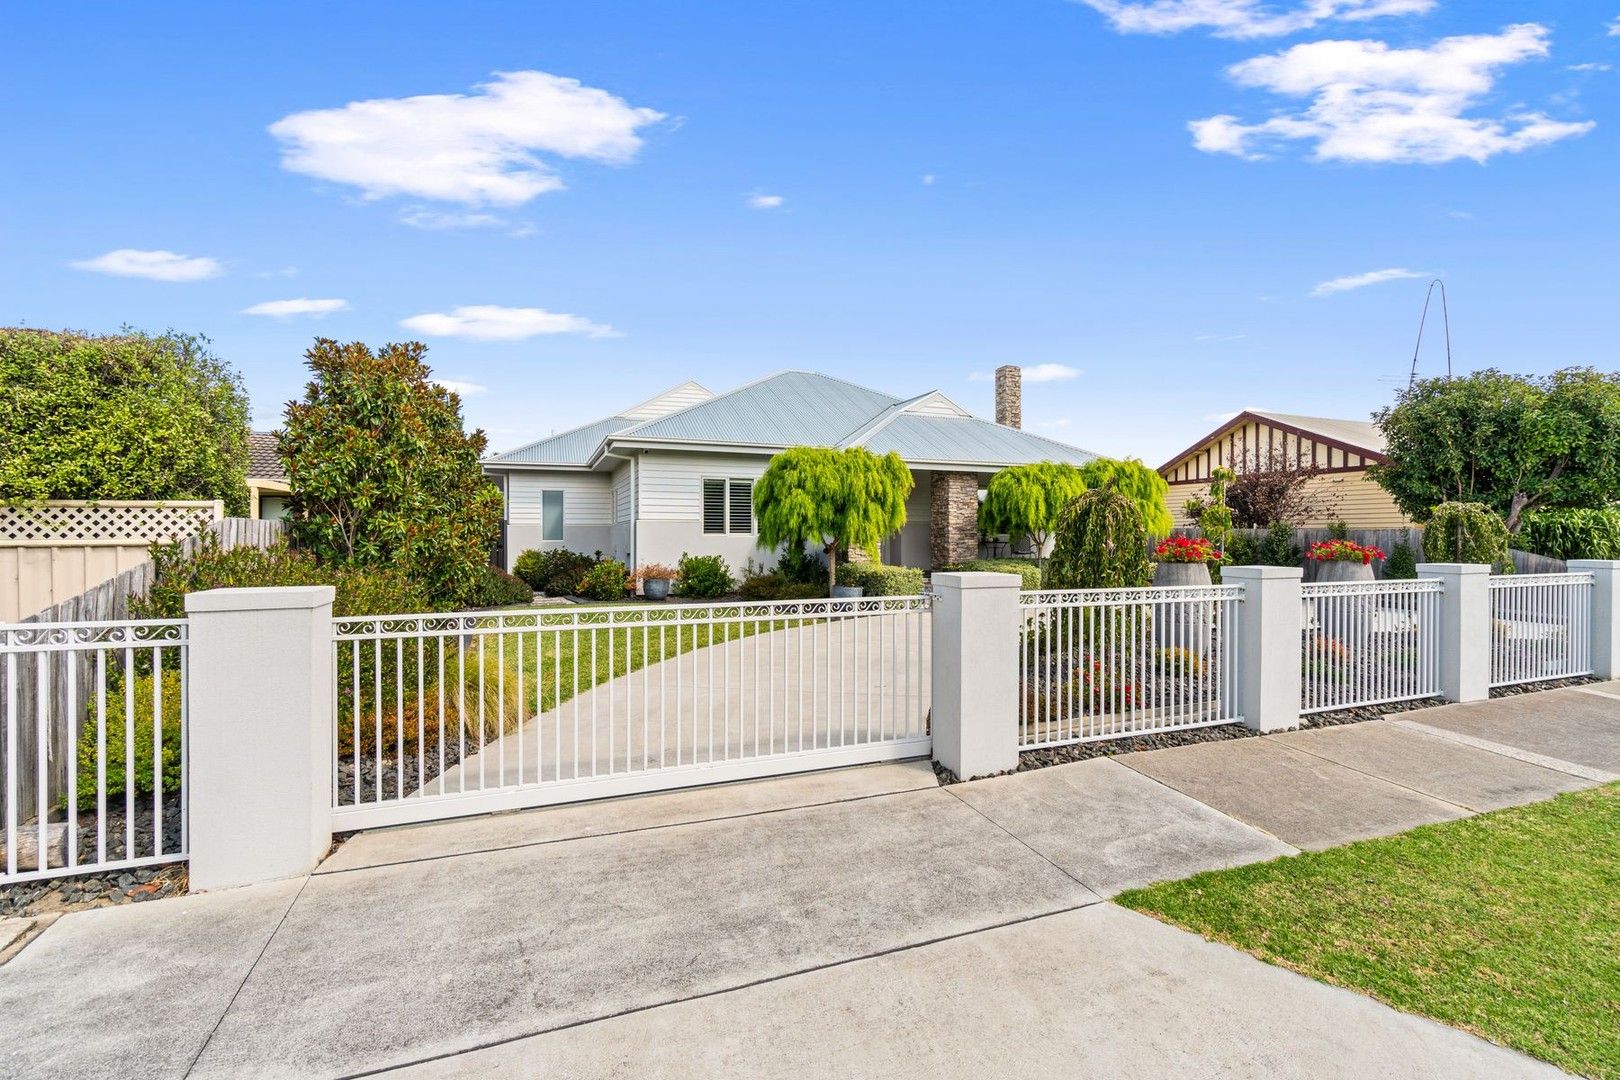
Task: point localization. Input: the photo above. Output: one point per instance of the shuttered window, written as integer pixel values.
(714, 506)
(728, 506)
(742, 507)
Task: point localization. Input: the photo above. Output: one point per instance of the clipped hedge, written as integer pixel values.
(875, 579)
(775, 586)
(703, 577)
(1571, 534)
(1028, 569)
(555, 573)
(497, 588)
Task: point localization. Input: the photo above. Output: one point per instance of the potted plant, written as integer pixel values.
(655, 580)
(1343, 560)
(1183, 561)
(848, 585)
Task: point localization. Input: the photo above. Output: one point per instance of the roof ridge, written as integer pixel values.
(762, 380)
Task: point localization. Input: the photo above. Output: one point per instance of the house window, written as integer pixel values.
(551, 515)
(728, 506)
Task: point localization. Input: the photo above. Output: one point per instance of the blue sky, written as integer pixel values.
(1150, 196)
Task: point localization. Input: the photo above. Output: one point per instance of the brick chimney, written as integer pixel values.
(1010, 395)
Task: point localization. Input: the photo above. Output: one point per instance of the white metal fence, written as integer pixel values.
(94, 746)
(1105, 663)
(1541, 627)
(1369, 642)
(438, 715)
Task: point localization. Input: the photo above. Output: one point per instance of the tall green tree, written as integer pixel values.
(382, 472)
(1025, 500)
(120, 416)
(1137, 482)
(849, 498)
(1511, 442)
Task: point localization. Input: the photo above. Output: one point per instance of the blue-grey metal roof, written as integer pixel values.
(575, 447)
(967, 441)
(792, 408)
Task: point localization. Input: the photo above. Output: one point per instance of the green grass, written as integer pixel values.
(1506, 924)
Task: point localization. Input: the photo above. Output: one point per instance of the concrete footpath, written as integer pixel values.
(863, 922)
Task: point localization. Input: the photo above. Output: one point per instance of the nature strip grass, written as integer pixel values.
(1506, 924)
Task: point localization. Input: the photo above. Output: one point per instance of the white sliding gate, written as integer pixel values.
(443, 715)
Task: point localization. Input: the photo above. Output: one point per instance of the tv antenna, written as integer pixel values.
(1445, 316)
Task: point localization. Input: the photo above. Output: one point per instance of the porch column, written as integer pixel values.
(953, 533)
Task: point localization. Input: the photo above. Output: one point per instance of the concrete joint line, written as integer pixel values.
(950, 790)
(598, 836)
(14, 940)
(1597, 776)
(1189, 795)
(1381, 779)
(718, 993)
(1595, 693)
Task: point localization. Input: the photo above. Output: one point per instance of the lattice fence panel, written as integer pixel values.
(105, 522)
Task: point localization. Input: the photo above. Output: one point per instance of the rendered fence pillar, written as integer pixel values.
(1268, 644)
(975, 672)
(259, 714)
(1465, 629)
(1605, 614)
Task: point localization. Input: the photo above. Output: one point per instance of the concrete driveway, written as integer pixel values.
(863, 922)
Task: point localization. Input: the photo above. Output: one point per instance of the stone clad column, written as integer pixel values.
(953, 527)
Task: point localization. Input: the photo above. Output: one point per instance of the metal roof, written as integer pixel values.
(792, 408)
(967, 441)
(573, 447)
(1363, 433)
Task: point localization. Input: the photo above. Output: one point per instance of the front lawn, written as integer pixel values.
(1506, 924)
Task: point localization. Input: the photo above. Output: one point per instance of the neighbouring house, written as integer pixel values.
(268, 493)
(676, 473)
(1343, 449)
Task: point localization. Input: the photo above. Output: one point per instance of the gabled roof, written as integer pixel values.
(1356, 436)
(264, 456)
(799, 408)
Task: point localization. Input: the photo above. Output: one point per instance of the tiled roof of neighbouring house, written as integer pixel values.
(264, 456)
(803, 408)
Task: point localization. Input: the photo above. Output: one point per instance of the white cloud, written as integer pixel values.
(1050, 372)
(1052, 425)
(152, 265)
(281, 309)
(1594, 66)
(765, 202)
(1245, 18)
(1614, 28)
(465, 389)
(1361, 281)
(1372, 103)
(422, 217)
(489, 322)
(479, 148)
(928, 179)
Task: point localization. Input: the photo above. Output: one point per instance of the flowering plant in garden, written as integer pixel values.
(1342, 551)
(1182, 549)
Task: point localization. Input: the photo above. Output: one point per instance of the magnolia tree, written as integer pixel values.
(1134, 480)
(1025, 500)
(382, 473)
(846, 499)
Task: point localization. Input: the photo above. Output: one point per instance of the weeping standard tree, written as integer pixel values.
(846, 499)
(1025, 500)
(1102, 543)
(382, 473)
(1142, 485)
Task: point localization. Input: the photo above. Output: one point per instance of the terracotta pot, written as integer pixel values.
(1339, 570)
(1181, 574)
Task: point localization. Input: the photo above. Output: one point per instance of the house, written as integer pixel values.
(675, 473)
(1343, 449)
(268, 493)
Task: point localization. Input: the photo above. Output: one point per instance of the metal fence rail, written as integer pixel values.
(1541, 627)
(446, 714)
(93, 716)
(1369, 642)
(1105, 663)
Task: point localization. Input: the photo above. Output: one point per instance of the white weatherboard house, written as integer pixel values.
(676, 473)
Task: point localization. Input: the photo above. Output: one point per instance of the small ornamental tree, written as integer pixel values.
(382, 473)
(1101, 543)
(1025, 500)
(1276, 486)
(1460, 532)
(121, 416)
(845, 499)
(1142, 485)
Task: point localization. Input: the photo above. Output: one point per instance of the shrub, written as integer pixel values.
(1101, 543)
(1028, 569)
(774, 586)
(528, 567)
(1338, 530)
(879, 580)
(1572, 534)
(117, 758)
(500, 589)
(1402, 562)
(656, 572)
(703, 577)
(1277, 547)
(800, 567)
(1466, 533)
(1241, 551)
(605, 580)
(555, 573)
(125, 416)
